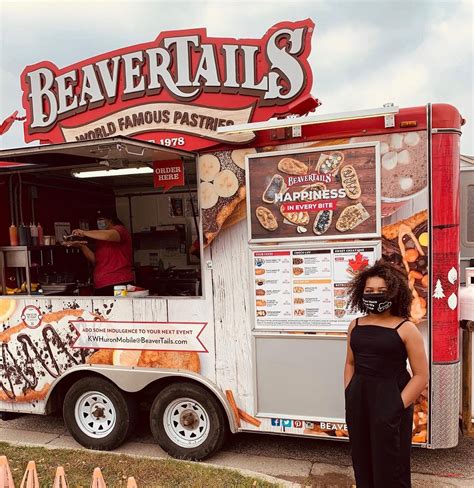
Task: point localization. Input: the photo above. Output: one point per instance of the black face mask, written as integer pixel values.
(376, 302)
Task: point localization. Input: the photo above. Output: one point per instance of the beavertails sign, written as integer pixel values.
(176, 90)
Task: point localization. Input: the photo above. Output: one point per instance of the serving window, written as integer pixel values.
(93, 219)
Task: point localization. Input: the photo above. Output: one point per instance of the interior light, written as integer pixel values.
(113, 172)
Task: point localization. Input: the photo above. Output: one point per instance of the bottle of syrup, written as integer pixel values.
(40, 235)
(13, 235)
(34, 234)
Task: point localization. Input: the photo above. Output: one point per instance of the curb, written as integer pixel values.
(245, 472)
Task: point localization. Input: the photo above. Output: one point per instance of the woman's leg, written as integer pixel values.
(357, 419)
(389, 436)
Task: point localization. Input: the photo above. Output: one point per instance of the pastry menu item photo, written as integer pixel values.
(297, 218)
(322, 222)
(277, 185)
(351, 217)
(292, 166)
(266, 218)
(330, 163)
(350, 182)
(221, 189)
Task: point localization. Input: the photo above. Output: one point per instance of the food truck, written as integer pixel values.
(248, 218)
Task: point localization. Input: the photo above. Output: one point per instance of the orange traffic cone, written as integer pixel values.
(60, 478)
(131, 483)
(97, 479)
(6, 479)
(30, 478)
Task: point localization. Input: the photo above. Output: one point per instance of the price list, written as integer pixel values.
(305, 288)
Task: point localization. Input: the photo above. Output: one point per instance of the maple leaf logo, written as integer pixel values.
(357, 264)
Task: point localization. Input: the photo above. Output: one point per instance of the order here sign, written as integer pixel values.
(168, 174)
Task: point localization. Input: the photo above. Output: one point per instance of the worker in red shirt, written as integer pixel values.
(112, 257)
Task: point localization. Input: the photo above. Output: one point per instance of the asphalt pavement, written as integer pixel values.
(309, 462)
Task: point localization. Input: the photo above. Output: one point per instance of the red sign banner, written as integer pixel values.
(168, 174)
(176, 90)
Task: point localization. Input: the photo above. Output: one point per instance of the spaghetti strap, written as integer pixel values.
(400, 324)
(357, 322)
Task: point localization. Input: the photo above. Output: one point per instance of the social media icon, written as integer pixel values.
(287, 423)
(297, 424)
(276, 422)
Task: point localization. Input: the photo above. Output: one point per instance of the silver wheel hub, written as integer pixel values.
(186, 422)
(95, 414)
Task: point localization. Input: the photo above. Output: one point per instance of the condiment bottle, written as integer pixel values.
(40, 235)
(34, 234)
(13, 235)
(28, 234)
(22, 235)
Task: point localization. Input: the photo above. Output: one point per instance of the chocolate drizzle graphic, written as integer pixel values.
(22, 369)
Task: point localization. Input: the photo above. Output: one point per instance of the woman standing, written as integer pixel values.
(112, 257)
(379, 390)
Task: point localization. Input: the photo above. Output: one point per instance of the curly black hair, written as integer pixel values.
(398, 290)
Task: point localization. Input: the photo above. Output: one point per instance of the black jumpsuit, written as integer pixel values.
(379, 426)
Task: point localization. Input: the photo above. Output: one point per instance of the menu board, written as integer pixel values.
(329, 193)
(300, 289)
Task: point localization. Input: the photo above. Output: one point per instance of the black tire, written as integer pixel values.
(217, 421)
(122, 404)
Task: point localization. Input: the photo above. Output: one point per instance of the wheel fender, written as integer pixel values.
(133, 380)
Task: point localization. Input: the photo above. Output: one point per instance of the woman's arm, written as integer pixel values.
(88, 253)
(414, 344)
(110, 235)
(349, 366)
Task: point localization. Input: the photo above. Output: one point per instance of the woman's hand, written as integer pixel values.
(78, 244)
(415, 347)
(78, 233)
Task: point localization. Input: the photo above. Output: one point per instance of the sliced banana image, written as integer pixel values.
(208, 195)
(209, 166)
(226, 183)
(238, 156)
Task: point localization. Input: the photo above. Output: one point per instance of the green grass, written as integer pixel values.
(149, 473)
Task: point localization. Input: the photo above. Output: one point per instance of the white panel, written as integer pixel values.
(199, 310)
(150, 310)
(294, 380)
(232, 314)
(114, 309)
(72, 303)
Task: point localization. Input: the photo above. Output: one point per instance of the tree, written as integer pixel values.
(438, 292)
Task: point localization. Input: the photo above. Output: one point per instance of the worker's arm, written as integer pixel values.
(415, 347)
(88, 253)
(110, 235)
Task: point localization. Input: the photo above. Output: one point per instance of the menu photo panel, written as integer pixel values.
(320, 194)
(307, 288)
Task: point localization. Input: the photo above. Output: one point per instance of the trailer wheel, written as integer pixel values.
(97, 414)
(188, 422)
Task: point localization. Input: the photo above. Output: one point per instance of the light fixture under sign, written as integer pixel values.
(113, 172)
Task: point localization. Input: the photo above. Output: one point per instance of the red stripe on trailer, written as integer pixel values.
(445, 220)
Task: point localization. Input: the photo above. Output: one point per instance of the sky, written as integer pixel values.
(364, 52)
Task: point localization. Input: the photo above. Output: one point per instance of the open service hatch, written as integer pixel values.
(102, 217)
